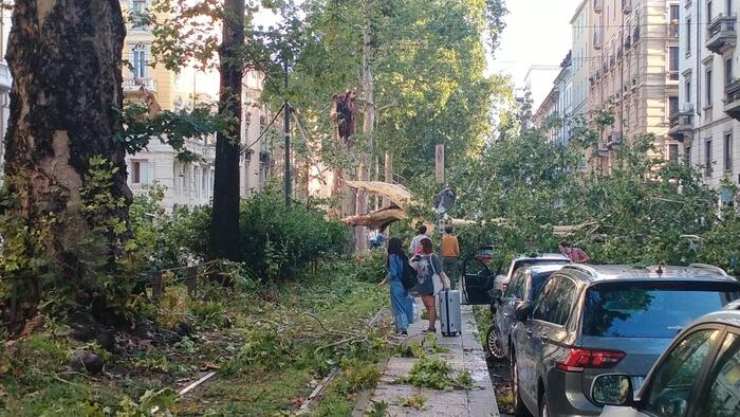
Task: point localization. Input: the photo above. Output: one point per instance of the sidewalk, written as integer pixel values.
(463, 353)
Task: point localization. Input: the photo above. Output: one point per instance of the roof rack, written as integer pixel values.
(712, 268)
(582, 267)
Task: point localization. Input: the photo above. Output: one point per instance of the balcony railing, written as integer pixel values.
(682, 124)
(732, 102)
(721, 35)
(133, 84)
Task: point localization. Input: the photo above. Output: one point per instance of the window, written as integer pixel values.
(709, 11)
(708, 158)
(687, 155)
(538, 282)
(644, 310)
(673, 152)
(674, 20)
(709, 87)
(672, 106)
(516, 287)
(138, 13)
(688, 36)
(723, 398)
(728, 7)
(555, 301)
(673, 62)
(669, 392)
(688, 89)
(139, 62)
(728, 71)
(136, 172)
(728, 152)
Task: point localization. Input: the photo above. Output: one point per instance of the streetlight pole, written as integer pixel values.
(286, 116)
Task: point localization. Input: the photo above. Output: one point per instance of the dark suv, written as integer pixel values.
(594, 320)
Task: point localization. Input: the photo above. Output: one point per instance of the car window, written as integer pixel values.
(515, 286)
(650, 310)
(538, 283)
(723, 398)
(672, 382)
(555, 301)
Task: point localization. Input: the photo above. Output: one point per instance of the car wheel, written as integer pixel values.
(520, 410)
(494, 350)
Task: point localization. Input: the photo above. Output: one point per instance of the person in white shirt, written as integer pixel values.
(415, 247)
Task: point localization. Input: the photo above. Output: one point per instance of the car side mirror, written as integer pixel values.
(612, 390)
(522, 312)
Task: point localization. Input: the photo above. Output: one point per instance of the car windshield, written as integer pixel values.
(538, 282)
(531, 262)
(650, 310)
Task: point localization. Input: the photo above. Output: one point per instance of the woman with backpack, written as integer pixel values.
(398, 269)
(431, 279)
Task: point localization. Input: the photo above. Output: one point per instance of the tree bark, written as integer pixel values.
(367, 129)
(65, 59)
(225, 221)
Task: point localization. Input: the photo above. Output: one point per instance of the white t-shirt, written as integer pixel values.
(415, 247)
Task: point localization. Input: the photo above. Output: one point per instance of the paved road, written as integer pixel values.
(463, 353)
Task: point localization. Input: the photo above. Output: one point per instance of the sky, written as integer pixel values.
(537, 32)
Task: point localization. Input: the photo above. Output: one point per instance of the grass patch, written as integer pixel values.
(433, 372)
(417, 402)
(269, 348)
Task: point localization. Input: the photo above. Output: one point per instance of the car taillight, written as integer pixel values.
(579, 359)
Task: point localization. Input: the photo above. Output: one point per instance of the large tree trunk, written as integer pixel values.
(225, 227)
(65, 58)
(368, 124)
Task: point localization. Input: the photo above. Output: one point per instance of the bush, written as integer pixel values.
(278, 241)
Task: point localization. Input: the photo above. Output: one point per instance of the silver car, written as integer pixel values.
(698, 376)
(524, 261)
(525, 286)
(594, 320)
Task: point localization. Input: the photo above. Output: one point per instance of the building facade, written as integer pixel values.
(564, 111)
(633, 74)
(6, 82)
(581, 51)
(709, 95)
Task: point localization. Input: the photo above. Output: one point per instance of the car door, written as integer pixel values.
(477, 282)
(720, 393)
(529, 343)
(505, 319)
(672, 385)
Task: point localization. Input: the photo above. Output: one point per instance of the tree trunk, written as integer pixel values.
(65, 59)
(225, 222)
(367, 129)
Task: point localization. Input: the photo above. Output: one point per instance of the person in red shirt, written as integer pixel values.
(575, 254)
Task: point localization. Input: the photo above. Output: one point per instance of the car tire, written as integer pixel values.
(494, 350)
(520, 410)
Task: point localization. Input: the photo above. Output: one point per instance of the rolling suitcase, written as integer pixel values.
(450, 317)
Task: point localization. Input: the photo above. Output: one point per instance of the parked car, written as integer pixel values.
(502, 281)
(526, 285)
(698, 376)
(477, 277)
(595, 320)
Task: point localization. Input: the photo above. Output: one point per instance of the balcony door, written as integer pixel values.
(138, 60)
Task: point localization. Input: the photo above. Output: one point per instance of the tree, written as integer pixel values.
(225, 226)
(61, 157)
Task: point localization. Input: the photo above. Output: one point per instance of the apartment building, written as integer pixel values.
(634, 74)
(190, 183)
(558, 105)
(707, 123)
(6, 82)
(581, 51)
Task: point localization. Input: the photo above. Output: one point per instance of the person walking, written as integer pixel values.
(415, 246)
(403, 311)
(450, 251)
(428, 268)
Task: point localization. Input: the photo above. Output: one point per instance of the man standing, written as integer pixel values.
(450, 252)
(415, 247)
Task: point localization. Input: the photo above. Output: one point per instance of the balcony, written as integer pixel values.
(732, 102)
(721, 35)
(682, 124)
(134, 84)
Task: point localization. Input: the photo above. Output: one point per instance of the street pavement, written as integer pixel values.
(462, 353)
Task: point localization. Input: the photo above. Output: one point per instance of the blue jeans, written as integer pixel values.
(403, 311)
